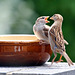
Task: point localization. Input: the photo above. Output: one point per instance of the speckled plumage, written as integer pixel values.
(56, 39)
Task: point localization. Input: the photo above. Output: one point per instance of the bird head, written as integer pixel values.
(56, 17)
(42, 20)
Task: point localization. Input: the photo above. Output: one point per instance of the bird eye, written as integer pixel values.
(42, 18)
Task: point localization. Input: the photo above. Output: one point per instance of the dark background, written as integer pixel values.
(19, 16)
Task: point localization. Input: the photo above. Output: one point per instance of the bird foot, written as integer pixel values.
(59, 61)
(42, 42)
(51, 63)
(54, 59)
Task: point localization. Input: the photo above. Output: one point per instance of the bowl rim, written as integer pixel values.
(17, 35)
(11, 35)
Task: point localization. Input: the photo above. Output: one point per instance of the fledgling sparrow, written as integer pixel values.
(56, 39)
(40, 29)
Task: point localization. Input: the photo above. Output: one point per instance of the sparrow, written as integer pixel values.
(40, 29)
(56, 39)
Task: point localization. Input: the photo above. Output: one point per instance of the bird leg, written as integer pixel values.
(54, 59)
(59, 59)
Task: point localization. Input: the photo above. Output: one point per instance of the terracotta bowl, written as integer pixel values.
(23, 50)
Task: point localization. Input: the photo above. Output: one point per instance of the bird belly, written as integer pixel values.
(52, 44)
(39, 35)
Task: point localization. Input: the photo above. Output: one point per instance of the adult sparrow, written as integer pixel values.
(40, 29)
(56, 39)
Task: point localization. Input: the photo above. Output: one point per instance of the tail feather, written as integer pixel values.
(67, 58)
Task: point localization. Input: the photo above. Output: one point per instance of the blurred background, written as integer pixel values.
(19, 16)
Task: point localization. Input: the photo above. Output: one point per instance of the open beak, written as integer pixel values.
(52, 18)
(46, 20)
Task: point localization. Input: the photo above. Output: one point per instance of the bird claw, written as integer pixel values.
(42, 42)
(51, 63)
(59, 61)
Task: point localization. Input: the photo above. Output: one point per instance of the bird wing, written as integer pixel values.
(45, 30)
(57, 37)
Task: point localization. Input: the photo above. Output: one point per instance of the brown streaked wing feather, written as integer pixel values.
(46, 28)
(57, 37)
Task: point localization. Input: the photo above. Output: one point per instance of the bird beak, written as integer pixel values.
(46, 20)
(52, 18)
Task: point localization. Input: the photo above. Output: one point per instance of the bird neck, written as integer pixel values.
(39, 23)
(58, 23)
